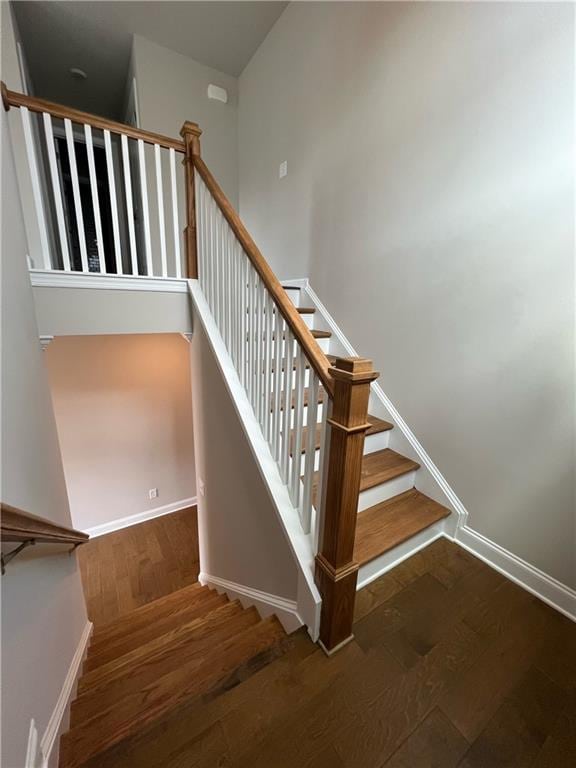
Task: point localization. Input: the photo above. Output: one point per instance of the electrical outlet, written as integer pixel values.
(283, 169)
(153, 493)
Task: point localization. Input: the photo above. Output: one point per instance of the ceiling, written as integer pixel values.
(96, 37)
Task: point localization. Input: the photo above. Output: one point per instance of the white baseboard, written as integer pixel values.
(545, 587)
(140, 517)
(381, 565)
(265, 603)
(58, 719)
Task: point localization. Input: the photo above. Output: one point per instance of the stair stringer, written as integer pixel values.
(308, 602)
(429, 479)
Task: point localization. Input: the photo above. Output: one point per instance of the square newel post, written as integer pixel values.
(191, 133)
(336, 571)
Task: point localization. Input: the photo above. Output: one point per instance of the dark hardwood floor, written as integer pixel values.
(452, 666)
(123, 570)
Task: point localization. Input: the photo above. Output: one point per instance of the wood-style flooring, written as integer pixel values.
(126, 569)
(452, 666)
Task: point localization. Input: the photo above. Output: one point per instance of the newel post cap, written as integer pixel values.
(355, 370)
(190, 129)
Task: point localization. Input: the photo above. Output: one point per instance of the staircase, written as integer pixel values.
(390, 509)
(148, 664)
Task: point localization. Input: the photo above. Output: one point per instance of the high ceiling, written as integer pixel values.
(96, 37)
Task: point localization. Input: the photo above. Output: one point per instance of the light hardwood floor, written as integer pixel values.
(123, 570)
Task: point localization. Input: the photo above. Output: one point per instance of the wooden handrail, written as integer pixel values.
(15, 99)
(17, 525)
(302, 333)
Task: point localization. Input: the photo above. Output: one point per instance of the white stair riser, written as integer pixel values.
(372, 443)
(385, 491)
(294, 296)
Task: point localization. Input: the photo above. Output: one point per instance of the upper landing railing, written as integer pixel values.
(108, 200)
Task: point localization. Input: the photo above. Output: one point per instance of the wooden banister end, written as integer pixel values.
(191, 133)
(5, 97)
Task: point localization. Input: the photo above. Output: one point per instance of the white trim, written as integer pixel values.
(32, 748)
(381, 565)
(545, 587)
(50, 737)
(45, 341)
(140, 517)
(265, 603)
(52, 278)
(377, 390)
(300, 543)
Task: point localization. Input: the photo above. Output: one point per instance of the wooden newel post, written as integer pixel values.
(191, 133)
(336, 571)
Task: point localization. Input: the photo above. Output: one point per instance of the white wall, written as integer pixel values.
(430, 198)
(123, 407)
(240, 537)
(172, 88)
(43, 612)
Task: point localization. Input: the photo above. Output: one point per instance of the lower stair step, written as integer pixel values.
(141, 617)
(191, 647)
(107, 651)
(220, 669)
(378, 468)
(187, 634)
(386, 525)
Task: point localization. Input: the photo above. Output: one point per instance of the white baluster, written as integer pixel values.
(36, 191)
(268, 342)
(160, 201)
(129, 203)
(56, 190)
(286, 410)
(95, 198)
(76, 193)
(316, 511)
(298, 423)
(145, 208)
(277, 425)
(175, 224)
(310, 448)
(243, 318)
(113, 202)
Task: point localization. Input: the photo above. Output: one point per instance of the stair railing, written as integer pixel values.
(300, 399)
(104, 202)
(19, 526)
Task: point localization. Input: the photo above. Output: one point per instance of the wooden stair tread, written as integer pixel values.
(381, 466)
(103, 653)
(186, 633)
(141, 672)
(306, 398)
(376, 426)
(306, 310)
(386, 525)
(142, 615)
(377, 468)
(139, 710)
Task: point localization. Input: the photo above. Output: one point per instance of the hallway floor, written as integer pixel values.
(452, 666)
(125, 569)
